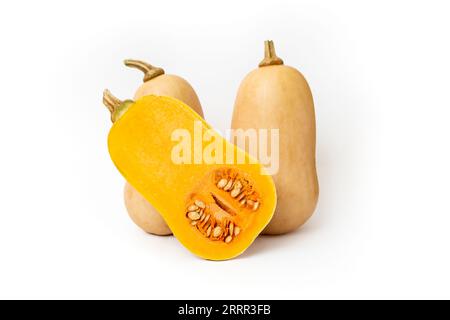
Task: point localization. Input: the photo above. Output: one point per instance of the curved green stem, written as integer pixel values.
(110, 101)
(116, 106)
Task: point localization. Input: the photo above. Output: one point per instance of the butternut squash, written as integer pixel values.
(213, 208)
(276, 96)
(143, 214)
(158, 83)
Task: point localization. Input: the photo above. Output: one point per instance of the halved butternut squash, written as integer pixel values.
(217, 208)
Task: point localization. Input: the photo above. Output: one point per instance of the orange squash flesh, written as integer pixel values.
(156, 82)
(146, 163)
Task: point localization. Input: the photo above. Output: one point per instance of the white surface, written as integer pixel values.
(380, 76)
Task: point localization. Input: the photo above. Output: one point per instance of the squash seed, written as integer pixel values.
(231, 228)
(256, 206)
(193, 207)
(222, 183)
(228, 239)
(200, 204)
(241, 196)
(238, 185)
(193, 215)
(228, 186)
(217, 232)
(237, 230)
(208, 231)
(235, 192)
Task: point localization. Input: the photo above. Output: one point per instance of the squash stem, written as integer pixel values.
(116, 106)
(270, 57)
(149, 71)
(110, 101)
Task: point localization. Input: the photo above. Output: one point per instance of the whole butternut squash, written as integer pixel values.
(276, 96)
(156, 82)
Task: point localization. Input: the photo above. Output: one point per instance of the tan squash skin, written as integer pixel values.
(143, 214)
(156, 83)
(277, 96)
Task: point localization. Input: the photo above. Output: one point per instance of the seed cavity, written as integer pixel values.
(213, 222)
(219, 214)
(238, 187)
(223, 204)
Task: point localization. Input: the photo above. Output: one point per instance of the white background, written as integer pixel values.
(379, 71)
